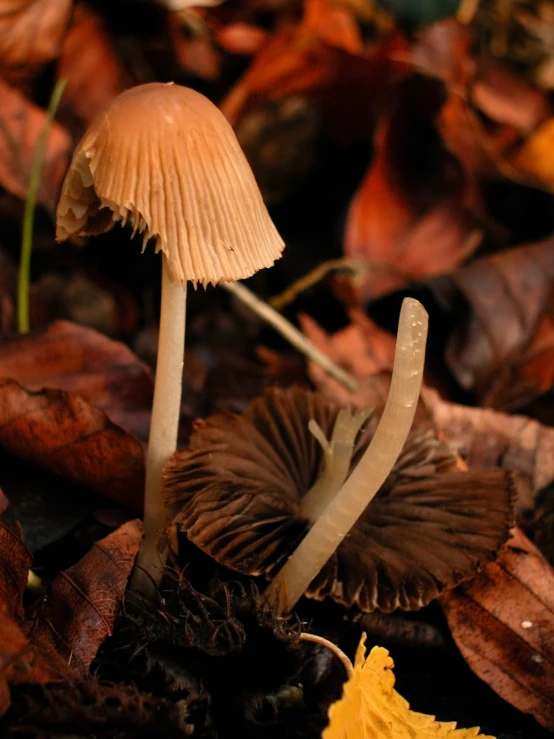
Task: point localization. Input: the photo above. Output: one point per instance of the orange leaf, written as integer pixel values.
(409, 218)
(84, 600)
(21, 123)
(66, 435)
(503, 623)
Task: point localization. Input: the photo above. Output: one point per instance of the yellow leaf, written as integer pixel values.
(370, 707)
(536, 156)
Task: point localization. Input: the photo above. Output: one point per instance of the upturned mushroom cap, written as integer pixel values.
(165, 159)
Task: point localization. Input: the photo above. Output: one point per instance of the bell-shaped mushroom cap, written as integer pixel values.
(164, 158)
(237, 493)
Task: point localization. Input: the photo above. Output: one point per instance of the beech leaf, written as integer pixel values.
(503, 624)
(84, 600)
(66, 435)
(370, 707)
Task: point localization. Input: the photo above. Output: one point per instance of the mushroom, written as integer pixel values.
(237, 493)
(163, 158)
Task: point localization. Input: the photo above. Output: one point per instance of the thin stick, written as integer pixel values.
(348, 666)
(164, 427)
(343, 511)
(24, 278)
(290, 333)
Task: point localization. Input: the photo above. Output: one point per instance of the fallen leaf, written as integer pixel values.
(94, 72)
(79, 360)
(362, 348)
(503, 624)
(241, 38)
(84, 600)
(63, 433)
(535, 157)
(410, 217)
(370, 706)
(347, 87)
(31, 32)
(21, 123)
(491, 350)
(486, 439)
(20, 660)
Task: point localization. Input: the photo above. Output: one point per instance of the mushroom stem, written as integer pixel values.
(290, 333)
(164, 427)
(343, 511)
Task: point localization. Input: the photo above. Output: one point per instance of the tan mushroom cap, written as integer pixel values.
(164, 158)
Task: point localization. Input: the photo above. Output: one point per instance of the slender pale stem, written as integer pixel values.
(164, 427)
(343, 511)
(337, 651)
(290, 333)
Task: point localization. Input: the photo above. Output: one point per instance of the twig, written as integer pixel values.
(290, 333)
(333, 647)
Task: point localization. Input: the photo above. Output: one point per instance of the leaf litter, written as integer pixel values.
(423, 152)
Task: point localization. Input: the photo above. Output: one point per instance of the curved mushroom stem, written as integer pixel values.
(359, 489)
(164, 427)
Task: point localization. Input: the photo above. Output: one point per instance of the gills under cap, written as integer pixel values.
(164, 158)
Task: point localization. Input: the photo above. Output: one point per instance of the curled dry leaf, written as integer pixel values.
(66, 435)
(20, 660)
(84, 600)
(370, 706)
(31, 32)
(502, 349)
(21, 123)
(237, 493)
(410, 217)
(486, 439)
(503, 624)
(80, 360)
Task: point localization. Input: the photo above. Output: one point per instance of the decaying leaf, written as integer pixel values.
(21, 123)
(20, 660)
(503, 624)
(486, 439)
(84, 600)
(236, 493)
(370, 706)
(80, 360)
(493, 351)
(410, 216)
(65, 434)
(31, 32)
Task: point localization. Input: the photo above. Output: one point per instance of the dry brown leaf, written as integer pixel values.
(486, 439)
(31, 32)
(80, 360)
(84, 600)
(410, 217)
(492, 350)
(94, 72)
(20, 660)
(237, 490)
(63, 433)
(370, 707)
(241, 38)
(536, 158)
(503, 624)
(21, 123)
